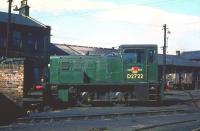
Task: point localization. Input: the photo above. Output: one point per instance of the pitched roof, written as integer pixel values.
(175, 60)
(191, 55)
(21, 20)
(82, 50)
(139, 46)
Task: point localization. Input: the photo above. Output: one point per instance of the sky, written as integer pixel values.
(110, 23)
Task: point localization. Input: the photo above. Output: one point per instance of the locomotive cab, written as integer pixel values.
(140, 60)
(140, 66)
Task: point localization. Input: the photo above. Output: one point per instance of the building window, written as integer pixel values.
(30, 38)
(36, 45)
(1, 40)
(16, 39)
(35, 42)
(30, 42)
(40, 43)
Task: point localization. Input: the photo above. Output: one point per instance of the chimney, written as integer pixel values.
(178, 52)
(24, 9)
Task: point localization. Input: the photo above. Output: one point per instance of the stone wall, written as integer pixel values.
(12, 81)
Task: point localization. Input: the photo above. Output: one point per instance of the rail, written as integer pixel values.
(26, 120)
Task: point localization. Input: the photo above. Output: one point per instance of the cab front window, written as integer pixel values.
(134, 55)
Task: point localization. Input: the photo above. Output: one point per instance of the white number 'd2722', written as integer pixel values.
(135, 76)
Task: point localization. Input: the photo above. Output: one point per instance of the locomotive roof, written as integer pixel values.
(138, 46)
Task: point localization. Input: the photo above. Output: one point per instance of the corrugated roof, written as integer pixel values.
(21, 20)
(191, 55)
(82, 50)
(175, 60)
(54, 50)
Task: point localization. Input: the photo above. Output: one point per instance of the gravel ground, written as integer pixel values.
(172, 101)
(117, 124)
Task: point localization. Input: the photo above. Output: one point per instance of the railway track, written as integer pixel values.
(135, 117)
(100, 114)
(38, 119)
(164, 125)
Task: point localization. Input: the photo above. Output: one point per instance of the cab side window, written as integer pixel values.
(151, 56)
(140, 55)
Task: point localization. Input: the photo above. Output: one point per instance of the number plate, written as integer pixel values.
(135, 76)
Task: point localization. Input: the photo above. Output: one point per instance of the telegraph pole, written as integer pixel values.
(8, 26)
(164, 53)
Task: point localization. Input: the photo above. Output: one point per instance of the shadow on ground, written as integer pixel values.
(8, 110)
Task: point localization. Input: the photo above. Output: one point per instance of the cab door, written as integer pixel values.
(152, 65)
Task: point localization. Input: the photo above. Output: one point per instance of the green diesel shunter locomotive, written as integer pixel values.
(129, 75)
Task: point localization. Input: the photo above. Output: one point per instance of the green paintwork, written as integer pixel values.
(54, 68)
(63, 95)
(114, 69)
(98, 69)
(152, 66)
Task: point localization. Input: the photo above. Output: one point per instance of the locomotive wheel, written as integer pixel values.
(47, 108)
(84, 99)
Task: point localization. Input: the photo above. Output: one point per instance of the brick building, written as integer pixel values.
(29, 39)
